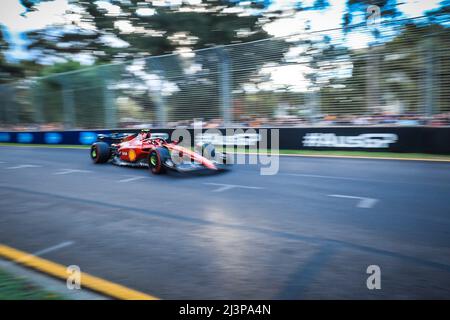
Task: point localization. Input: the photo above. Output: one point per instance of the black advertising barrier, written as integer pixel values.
(354, 139)
(379, 139)
(372, 139)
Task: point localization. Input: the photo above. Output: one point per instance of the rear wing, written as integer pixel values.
(114, 137)
(123, 136)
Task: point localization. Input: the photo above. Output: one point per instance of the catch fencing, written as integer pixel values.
(322, 78)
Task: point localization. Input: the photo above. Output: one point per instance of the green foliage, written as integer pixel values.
(8, 71)
(401, 64)
(81, 93)
(61, 67)
(208, 28)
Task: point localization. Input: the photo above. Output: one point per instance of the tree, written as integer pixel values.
(179, 28)
(127, 29)
(402, 74)
(409, 59)
(8, 71)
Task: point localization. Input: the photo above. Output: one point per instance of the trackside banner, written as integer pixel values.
(380, 139)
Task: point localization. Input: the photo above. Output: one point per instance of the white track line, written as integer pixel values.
(363, 202)
(47, 250)
(322, 177)
(23, 166)
(131, 179)
(53, 248)
(68, 171)
(224, 186)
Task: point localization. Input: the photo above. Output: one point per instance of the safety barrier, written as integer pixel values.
(385, 139)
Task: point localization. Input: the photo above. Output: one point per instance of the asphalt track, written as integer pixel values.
(309, 231)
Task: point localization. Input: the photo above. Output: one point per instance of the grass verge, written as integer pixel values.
(355, 154)
(57, 146)
(18, 288)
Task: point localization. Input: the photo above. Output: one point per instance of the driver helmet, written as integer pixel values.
(145, 133)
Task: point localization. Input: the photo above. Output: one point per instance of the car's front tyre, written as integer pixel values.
(156, 158)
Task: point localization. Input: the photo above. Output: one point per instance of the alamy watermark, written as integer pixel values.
(73, 281)
(374, 280)
(373, 17)
(236, 146)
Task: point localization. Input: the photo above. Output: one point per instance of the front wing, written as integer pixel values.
(180, 167)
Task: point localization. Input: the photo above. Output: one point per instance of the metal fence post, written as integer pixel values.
(68, 105)
(162, 110)
(109, 104)
(225, 86)
(429, 89)
(12, 105)
(37, 103)
(372, 79)
(2, 106)
(157, 97)
(311, 99)
(5, 91)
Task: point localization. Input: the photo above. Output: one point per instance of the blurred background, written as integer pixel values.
(366, 79)
(172, 63)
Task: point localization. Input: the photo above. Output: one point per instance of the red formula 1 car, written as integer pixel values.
(145, 149)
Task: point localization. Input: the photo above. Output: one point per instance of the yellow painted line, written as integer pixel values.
(57, 270)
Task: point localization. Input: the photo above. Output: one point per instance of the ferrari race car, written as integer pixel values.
(152, 150)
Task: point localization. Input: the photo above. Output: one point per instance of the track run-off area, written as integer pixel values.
(310, 231)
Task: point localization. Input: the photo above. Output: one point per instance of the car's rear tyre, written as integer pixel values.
(100, 152)
(156, 160)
